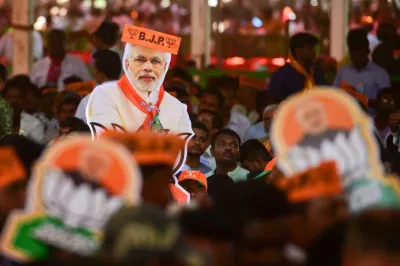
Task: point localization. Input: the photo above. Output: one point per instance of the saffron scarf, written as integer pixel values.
(151, 111)
(309, 81)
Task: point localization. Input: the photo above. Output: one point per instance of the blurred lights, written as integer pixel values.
(213, 3)
(54, 11)
(257, 22)
(235, 61)
(314, 2)
(165, 3)
(226, 1)
(288, 14)
(40, 23)
(63, 12)
(278, 61)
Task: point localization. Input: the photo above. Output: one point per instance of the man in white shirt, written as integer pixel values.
(58, 65)
(138, 100)
(14, 93)
(106, 68)
(261, 129)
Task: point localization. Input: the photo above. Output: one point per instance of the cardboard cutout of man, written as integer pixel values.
(138, 100)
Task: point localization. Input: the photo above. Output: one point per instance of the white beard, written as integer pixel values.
(142, 86)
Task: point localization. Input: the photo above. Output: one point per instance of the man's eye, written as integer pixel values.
(155, 61)
(140, 60)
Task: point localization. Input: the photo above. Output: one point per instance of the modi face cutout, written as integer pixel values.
(324, 125)
(145, 68)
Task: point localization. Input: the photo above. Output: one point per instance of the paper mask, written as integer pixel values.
(325, 125)
(76, 186)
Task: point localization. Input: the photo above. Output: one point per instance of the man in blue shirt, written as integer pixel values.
(363, 75)
(298, 74)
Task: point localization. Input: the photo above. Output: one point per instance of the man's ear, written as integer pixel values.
(126, 64)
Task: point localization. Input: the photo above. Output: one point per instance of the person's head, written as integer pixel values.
(227, 86)
(386, 101)
(386, 32)
(198, 143)
(15, 90)
(67, 106)
(211, 100)
(106, 35)
(12, 194)
(71, 79)
(225, 147)
(312, 116)
(303, 47)
(268, 115)
(310, 218)
(72, 125)
(56, 43)
(213, 121)
(194, 182)
(328, 246)
(373, 239)
(47, 100)
(358, 45)
(106, 66)
(3, 76)
(32, 99)
(145, 68)
(254, 156)
(156, 180)
(179, 89)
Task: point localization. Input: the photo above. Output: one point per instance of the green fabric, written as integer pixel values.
(262, 174)
(34, 235)
(372, 193)
(6, 118)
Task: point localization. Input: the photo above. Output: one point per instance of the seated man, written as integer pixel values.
(194, 182)
(225, 148)
(196, 147)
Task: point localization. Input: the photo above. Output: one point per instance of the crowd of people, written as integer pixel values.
(262, 192)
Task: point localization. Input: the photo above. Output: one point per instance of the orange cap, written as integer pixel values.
(178, 195)
(194, 175)
(319, 181)
(149, 148)
(151, 39)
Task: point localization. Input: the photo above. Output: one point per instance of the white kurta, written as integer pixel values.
(108, 105)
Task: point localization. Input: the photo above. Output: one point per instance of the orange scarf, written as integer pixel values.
(138, 102)
(309, 82)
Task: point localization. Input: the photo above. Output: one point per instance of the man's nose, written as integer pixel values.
(148, 67)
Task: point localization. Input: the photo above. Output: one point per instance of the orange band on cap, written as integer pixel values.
(82, 88)
(194, 175)
(320, 181)
(11, 168)
(151, 39)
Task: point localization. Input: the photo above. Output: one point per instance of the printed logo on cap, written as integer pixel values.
(151, 39)
(76, 186)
